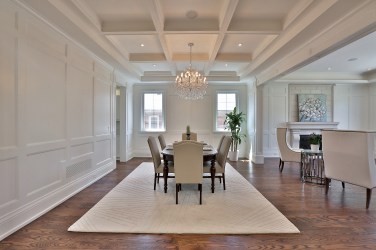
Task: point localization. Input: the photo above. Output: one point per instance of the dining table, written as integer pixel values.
(209, 155)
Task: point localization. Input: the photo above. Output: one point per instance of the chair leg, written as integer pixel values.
(369, 193)
(200, 188)
(224, 182)
(327, 181)
(282, 165)
(177, 188)
(155, 180)
(343, 185)
(280, 162)
(158, 178)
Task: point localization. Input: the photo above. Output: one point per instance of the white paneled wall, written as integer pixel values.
(352, 105)
(57, 118)
(275, 112)
(198, 114)
(372, 107)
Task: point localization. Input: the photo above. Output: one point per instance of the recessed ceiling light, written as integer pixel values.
(154, 65)
(368, 69)
(329, 68)
(226, 65)
(142, 45)
(240, 44)
(352, 59)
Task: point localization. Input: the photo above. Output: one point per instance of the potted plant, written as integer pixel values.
(233, 123)
(315, 141)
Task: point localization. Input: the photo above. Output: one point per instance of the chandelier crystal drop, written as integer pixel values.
(190, 85)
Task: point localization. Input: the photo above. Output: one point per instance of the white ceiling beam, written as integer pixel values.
(225, 17)
(92, 32)
(89, 13)
(358, 22)
(295, 12)
(314, 12)
(155, 10)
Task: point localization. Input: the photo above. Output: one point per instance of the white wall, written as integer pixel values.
(198, 114)
(57, 118)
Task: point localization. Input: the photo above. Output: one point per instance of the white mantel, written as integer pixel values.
(305, 128)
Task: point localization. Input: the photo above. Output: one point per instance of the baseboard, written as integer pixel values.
(33, 210)
(257, 159)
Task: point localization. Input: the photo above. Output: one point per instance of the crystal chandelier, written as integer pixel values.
(190, 85)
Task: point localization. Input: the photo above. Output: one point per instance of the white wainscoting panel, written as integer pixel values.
(44, 96)
(80, 103)
(57, 119)
(8, 182)
(8, 52)
(46, 171)
(102, 104)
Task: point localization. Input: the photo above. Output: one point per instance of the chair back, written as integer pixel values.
(155, 154)
(285, 151)
(188, 162)
(193, 136)
(223, 151)
(162, 141)
(220, 142)
(349, 156)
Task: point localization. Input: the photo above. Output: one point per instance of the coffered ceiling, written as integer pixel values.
(234, 40)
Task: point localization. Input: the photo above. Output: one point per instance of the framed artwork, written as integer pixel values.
(312, 107)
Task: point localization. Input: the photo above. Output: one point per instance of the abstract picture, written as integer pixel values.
(312, 107)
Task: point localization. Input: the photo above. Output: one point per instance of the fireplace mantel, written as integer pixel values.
(305, 128)
(312, 125)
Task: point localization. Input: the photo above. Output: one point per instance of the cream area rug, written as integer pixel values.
(134, 207)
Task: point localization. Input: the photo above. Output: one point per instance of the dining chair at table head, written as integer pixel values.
(221, 159)
(162, 141)
(193, 136)
(188, 162)
(157, 161)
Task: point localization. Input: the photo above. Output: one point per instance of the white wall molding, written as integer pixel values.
(20, 217)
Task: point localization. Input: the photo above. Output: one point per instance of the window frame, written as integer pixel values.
(163, 93)
(236, 92)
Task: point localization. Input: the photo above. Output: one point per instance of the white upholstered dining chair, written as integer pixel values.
(349, 157)
(287, 154)
(188, 162)
(220, 162)
(157, 161)
(220, 142)
(162, 141)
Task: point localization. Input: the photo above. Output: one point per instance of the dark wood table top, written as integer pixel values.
(208, 150)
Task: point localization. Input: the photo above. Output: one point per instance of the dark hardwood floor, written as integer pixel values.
(339, 221)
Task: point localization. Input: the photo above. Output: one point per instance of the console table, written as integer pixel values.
(312, 167)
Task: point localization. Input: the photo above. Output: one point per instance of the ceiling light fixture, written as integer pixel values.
(142, 45)
(190, 85)
(240, 44)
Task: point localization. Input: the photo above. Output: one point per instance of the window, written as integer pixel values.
(226, 102)
(153, 112)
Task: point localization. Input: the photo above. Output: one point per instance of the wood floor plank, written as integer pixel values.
(336, 221)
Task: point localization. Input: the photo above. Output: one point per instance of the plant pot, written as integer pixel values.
(233, 155)
(315, 147)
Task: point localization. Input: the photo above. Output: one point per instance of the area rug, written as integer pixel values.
(134, 207)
